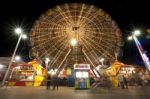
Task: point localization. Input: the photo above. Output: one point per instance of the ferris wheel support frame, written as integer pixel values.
(58, 69)
(91, 63)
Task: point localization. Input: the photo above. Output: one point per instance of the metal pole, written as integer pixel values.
(11, 74)
(141, 53)
(13, 56)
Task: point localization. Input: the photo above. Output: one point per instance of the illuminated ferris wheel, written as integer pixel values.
(97, 35)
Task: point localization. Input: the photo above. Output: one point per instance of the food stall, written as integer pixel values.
(134, 72)
(21, 75)
(82, 80)
(27, 74)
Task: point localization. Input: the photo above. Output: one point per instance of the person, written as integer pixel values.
(120, 79)
(91, 80)
(144, 80)
(55, 82)
(125, 82)
(137, 79)
(65, 81)
(48, 82)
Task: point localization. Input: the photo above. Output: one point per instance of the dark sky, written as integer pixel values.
(129, 16)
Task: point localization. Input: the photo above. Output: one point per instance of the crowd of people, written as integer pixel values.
(124, 81)
(135, 79)
(53, 81)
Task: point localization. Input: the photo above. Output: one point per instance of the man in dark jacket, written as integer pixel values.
(48, 82)
(55, 81)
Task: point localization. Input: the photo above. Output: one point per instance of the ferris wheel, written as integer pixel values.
(96, 33)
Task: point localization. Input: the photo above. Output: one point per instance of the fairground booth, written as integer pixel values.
(82, 80)
(131, 72)
(27, 74)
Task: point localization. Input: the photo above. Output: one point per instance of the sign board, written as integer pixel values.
(82, 66)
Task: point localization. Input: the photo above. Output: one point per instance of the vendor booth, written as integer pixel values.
(27, 74)
(21, 75)
(82, 76)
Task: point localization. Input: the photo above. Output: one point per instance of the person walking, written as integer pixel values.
(55, 82)
(125, 82)
(120, 79)
(48, 84)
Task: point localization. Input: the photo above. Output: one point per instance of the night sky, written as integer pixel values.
(129, 16)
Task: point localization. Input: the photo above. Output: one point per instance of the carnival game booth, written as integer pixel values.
(27, 74)
(21, 75)
(82, 80)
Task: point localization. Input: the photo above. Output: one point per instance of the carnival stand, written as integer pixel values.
(27, 74)
(21, 75)
(82, 80)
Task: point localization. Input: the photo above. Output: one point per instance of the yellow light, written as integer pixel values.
(73, 42)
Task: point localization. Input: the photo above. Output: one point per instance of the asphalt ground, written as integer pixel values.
(70, 93)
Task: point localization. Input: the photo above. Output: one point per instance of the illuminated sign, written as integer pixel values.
(82, 66)
(80, 74)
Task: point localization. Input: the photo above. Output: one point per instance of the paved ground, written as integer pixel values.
(70, 93)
